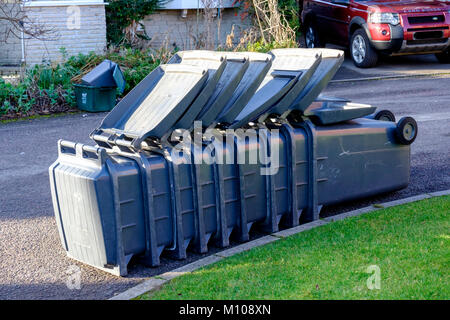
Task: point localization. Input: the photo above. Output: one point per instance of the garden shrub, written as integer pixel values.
(121, 14)
(48, 88)
(290, 9)
(264, 47)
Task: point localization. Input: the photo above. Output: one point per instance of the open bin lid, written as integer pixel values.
(302, 95)
(153, 107)
(331, 61)
(200, 58)
(119, 79)
(215, 63)
(106, 74)
(330, 112)
(323, 98)
(259, 65)
(290, 71)
(232, 75)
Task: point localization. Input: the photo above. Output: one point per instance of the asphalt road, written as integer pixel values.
(397, 66)
(33, 264)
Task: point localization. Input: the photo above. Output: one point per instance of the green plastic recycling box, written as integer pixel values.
(98, 89)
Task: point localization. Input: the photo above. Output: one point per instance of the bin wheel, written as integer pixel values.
(385, 115)
(406, 130)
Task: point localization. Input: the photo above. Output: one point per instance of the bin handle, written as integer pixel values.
(82, 151)
(66, 147)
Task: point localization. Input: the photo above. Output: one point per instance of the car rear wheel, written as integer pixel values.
(312, 39)
(363, 55)
(444, 57)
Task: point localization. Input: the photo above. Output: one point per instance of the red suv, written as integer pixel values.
(393, 27)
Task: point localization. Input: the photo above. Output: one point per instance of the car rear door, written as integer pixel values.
(339, 21)
(324, 15)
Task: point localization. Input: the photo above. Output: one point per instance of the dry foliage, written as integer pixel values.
(206, 38)
(135, 35)
(270, 26)
(209, 13)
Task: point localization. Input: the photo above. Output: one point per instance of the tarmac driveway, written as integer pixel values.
(399, 66)
(33, 264)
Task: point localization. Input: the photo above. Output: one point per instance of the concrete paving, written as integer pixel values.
(33, 264)
(247, 246)
(301, 228)
(191, 267)
(140, 289)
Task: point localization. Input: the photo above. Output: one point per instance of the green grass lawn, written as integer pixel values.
(410, 244)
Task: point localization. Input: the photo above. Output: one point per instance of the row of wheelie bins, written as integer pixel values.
(112, 205)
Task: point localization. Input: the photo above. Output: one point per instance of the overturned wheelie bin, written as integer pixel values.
(214, 144)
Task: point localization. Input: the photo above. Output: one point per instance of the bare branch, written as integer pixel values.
(16, 22)
(272, 24)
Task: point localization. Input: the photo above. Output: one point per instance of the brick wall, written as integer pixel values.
(164, 26)
(10, 45)
(168, 26)
(90, 36)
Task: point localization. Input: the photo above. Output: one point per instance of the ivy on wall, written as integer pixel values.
(123, 16)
